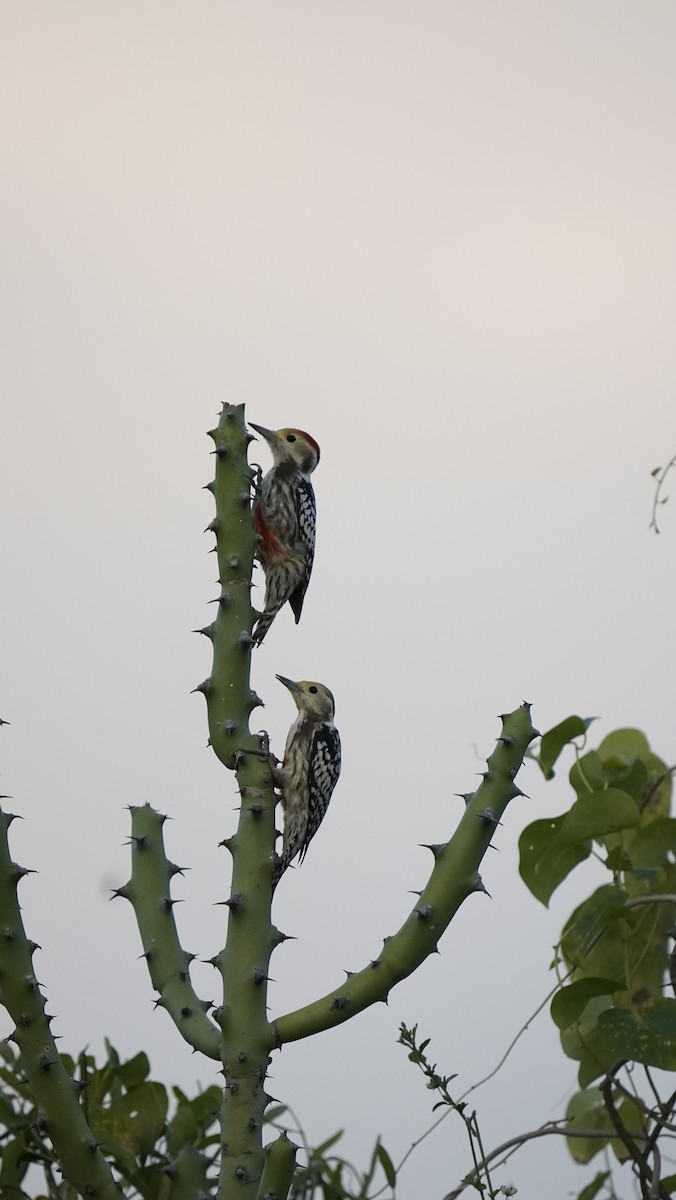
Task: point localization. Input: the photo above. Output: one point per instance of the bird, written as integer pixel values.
(309, 770)
(284, 521)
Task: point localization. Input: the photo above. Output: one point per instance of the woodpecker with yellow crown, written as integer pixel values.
(309, 770)
(284, 520)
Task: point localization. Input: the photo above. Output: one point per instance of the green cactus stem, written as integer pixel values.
(54, 1092)
(278, 1172)
(188, 1175)
(230, 700)
(168, 963)
(251, 938)
(454, 877)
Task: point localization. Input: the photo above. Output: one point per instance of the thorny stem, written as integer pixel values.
(454, 877)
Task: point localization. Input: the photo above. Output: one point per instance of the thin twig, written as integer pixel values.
(515, 1142)
(660, 475)
(629, 1140)
(512, 1044)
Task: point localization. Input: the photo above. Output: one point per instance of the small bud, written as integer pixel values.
(488, 817)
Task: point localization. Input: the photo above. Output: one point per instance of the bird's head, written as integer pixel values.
(291, 445)
(311, 698)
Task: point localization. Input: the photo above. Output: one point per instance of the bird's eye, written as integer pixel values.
(314, 690)
(291, 437)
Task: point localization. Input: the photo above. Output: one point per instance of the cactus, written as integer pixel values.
(239, 1033)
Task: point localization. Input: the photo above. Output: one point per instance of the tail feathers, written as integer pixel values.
(262, 625)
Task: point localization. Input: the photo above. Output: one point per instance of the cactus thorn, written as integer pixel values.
(480, 886)
(488, 817)
(245, 640)
(338, 1003)
(123, 892)
(424, 912)
(435, 847)
(204, 687)
(209, 487)
(466, 796)
(20, 872)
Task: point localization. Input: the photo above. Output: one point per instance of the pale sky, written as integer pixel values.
(441, 238)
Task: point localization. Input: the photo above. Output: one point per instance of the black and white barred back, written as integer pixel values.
(307, 779)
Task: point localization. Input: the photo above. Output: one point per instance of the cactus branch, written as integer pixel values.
(168, 964)
(454, 877)
(229, 697)
(54, 1092)
(280, 1164)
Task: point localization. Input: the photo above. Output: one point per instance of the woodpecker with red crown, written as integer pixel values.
(284, 520)
(309, 771)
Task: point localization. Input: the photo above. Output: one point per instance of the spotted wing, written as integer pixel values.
(324, 772)
(306, 512)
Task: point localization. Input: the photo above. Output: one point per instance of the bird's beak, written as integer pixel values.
(289, 683)
(269, 434)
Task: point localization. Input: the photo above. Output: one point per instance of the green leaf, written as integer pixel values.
(652, 843)
(624, 745)
(586, 1110)
(632, 1119)
(134, 1071)
(387, 1165)
(555, 739)
(570, 1002)
(592, 1189)
(320, 1151)
(669, 1183)
(134, 1121)
(273, 1113)
(589, 923)
(545, 861)
(587, 775)
(605, 811)
(650, 1039)
(193, 1117)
